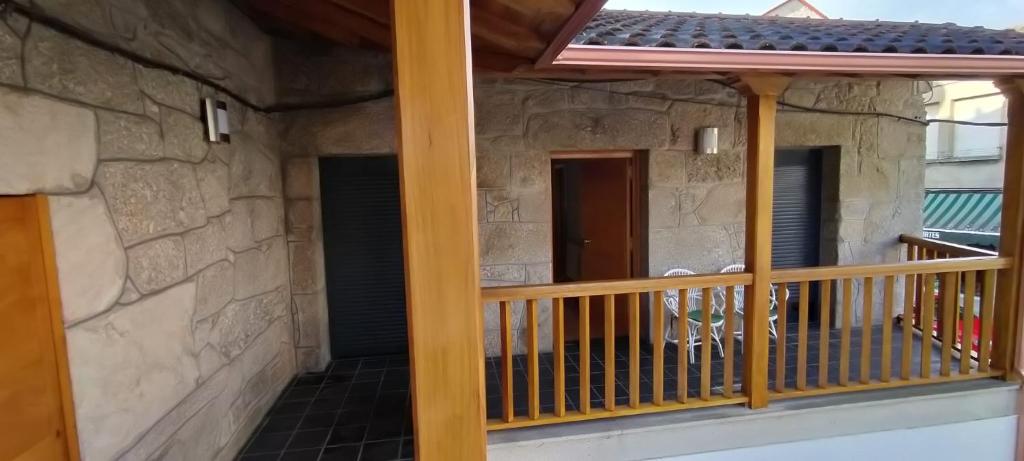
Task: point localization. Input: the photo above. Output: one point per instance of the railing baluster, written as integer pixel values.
(532, 360)
(658, 310)
(888, 293)
(558, 353)
(584, 354)
(730, 319)
(705, 344)
(844, 339)
(949, 295)
(912, 291)
(927, 324)
(634, 350)
(923, 291)
(867, 324)
(507, 408)
(826, 327)
(907, 348)
(780, 337)
(988, 299)
(967, 336)
(609, 352)
(683, 349)
(801, 342)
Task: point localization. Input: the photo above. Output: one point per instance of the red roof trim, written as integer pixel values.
(585, 11)
(804, 2)
(739, 61)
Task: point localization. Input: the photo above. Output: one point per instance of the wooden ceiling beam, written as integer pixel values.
(305, 15)
(546, 15)
(377, 10)
(490, 31)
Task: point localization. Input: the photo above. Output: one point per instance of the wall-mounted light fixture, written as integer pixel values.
(707, 140)
(215, 115)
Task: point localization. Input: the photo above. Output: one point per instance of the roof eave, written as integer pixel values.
(790, 62)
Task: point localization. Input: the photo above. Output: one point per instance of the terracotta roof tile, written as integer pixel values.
(694, 30)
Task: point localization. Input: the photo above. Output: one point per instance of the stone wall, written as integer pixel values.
(874, 167)
(171, 252)
(209, 38)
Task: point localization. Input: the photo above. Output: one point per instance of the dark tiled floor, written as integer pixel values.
(359, 409)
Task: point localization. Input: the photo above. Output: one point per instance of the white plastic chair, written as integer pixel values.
(773, 311)
(694, 305)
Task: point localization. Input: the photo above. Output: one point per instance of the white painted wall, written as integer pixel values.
(987, 439)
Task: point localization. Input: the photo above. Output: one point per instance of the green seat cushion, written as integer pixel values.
(697, 317)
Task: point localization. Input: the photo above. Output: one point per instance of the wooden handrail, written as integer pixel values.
(612, 287)
(952, 249)
(881, 270)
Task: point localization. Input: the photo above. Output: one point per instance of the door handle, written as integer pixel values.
(587, 241)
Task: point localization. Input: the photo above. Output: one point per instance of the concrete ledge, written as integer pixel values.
(724, 428)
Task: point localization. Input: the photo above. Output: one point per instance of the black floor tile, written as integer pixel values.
(386, 450)
(301, 455)
(308, 439)
(348, 452)
(359, 409)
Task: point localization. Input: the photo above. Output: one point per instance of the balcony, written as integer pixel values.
(864, 333)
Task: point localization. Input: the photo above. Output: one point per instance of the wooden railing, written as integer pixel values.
(922, 249)
(885, 356)
(893, 364)
(583, 296)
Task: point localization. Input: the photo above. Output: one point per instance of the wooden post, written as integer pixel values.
(762, 93)
(438, 183)
(1005, 341)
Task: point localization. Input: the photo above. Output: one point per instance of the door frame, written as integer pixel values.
(639, 213)
(42, 225)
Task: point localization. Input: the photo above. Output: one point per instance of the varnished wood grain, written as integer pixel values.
(658, 328)
(634, 350)
(950, 249)
(826, 328)
(882, 270)
(866, 327)
(927, 323)
(507, 403)
(1008, 299)
(780, 339)
(888, 291)
(948, 309)
(532, 361)
(682, 352)
(584, 355)
(762, 92)
(844, 339)
(987, 320)
(727, 338)
(910, 290)
(612, 287)
(967, 336)
(36, 410)
(558, 353)
(705, 344)
(609, 352)
(438, 188)
(801, 343)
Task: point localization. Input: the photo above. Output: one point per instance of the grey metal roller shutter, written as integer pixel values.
(796, 213)
(362, 228)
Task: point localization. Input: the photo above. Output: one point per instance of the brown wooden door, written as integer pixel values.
(32, 385)
(605, 199)
(595, 230)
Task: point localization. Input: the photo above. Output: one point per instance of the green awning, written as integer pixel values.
(966, 217)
